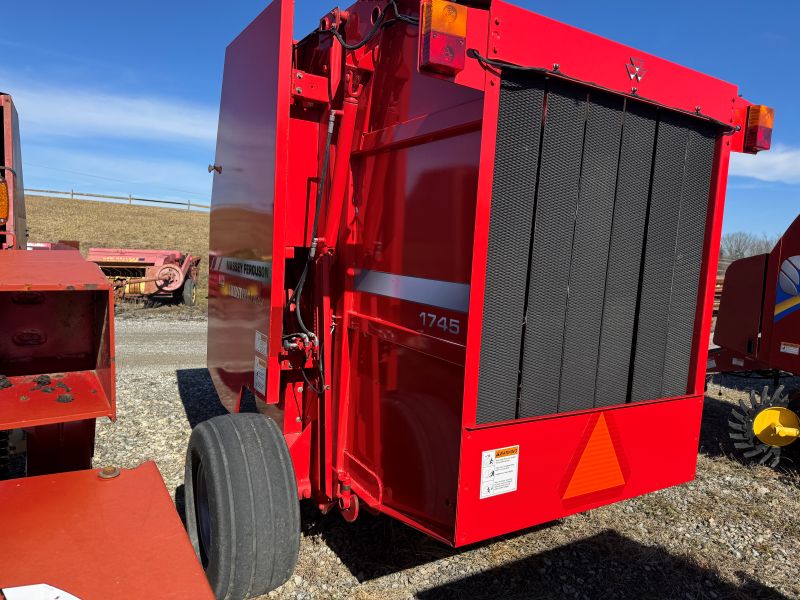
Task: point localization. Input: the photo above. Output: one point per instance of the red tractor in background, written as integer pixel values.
(67, 530)
(758, 330)
(461, 273)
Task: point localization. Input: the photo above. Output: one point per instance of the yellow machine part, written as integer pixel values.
(134, 288)
(777, 426)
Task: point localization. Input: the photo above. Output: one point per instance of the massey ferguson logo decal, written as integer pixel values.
(635, 69)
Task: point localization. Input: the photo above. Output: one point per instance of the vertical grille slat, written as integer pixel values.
(659, 256)
(595, 250)
(625, 255)
(553, 230)
(688, 259)
(587, 279)
(516, 160)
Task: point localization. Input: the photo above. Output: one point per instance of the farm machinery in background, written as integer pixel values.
(65, 527)
(461, 274)
(758, 332)
(150, 275)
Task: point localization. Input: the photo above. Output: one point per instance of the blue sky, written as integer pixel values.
(122, 97)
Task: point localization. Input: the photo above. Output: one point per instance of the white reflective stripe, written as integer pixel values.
(442, 294)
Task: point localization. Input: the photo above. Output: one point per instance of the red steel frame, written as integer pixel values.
(402, 134)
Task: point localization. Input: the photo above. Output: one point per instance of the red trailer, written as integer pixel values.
(463, 275)
(67, 530)
(156, 275)
(758, 329)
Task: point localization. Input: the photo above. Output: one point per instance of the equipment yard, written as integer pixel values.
(734, 532)
(105, 224)
(463, 286)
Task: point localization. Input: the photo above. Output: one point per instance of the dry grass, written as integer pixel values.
(104, 224)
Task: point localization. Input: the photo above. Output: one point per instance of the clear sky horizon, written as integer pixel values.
(122, 98)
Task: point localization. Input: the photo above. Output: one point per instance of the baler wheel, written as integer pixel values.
(189, 292)
(242, 509)
(766, 427)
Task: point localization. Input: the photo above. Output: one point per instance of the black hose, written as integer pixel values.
(298, 292)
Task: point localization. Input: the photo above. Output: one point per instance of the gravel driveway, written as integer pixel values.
(732, 533)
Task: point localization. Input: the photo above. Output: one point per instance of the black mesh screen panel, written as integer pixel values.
(596, 235)
(516, 162)
(625, 255)
(688, 259)
(551, 248)
(590, 247)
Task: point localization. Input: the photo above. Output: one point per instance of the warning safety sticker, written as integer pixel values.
(788, 348)
(261, 343)
(260, 376)
(499, 470)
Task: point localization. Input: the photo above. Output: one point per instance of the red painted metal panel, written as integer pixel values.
(57, 312)
(248, 206)
(598, 61)
(98, 538)
(739, 317)
(781, 340)
(54, 270)
(549, 452)
(71, 396)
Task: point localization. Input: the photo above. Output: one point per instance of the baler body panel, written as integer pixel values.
(247, 208)
(524, 266)
(562, 469)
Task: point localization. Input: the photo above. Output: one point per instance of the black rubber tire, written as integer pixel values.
(189, 292)
(253, 529)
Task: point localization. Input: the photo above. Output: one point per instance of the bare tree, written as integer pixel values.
(741, 244)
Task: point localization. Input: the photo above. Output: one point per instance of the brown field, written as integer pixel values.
(105, 224)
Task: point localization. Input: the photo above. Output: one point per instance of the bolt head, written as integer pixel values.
(108, 472)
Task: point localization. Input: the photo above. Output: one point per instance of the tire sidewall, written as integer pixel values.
(187, 292)
(218, 503)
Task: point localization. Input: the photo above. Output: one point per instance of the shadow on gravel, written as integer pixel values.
(606, 565)
(200, 400)
(714, 440)
(377, 545)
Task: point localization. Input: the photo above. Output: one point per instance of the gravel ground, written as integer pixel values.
(732, 533)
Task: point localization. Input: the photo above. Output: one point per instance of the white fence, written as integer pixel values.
(73, 195)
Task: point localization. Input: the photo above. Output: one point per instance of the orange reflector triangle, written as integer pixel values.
(598, 468)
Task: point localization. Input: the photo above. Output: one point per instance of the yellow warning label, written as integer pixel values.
(503, 452)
